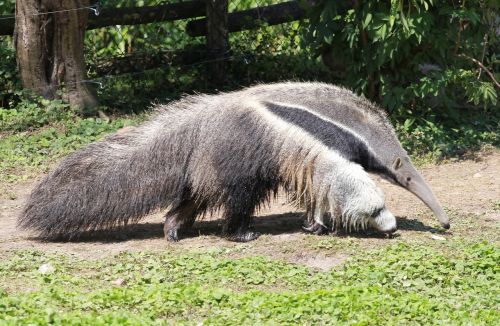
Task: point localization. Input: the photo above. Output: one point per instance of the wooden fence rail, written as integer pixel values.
(252, 18)
(237, 21)
(215, 26)
(131, 15)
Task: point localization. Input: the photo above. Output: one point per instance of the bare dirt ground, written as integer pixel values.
(469, 191)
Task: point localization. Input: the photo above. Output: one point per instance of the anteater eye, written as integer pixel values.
(376, 212)
(408, 179)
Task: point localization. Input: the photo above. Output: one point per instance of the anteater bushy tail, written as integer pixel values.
(112, 182)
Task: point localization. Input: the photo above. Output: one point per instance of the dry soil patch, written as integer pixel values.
(469, 191)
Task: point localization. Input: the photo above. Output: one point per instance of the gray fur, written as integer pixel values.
(368, 123)
(232, 152)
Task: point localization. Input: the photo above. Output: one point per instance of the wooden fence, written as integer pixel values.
(211, 20)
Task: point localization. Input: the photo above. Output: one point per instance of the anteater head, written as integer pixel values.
(404, 174)
(360, 133)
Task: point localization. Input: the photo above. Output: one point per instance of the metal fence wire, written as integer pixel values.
(149, 50)
(160, 42)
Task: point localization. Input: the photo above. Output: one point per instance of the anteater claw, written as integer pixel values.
(316, 228)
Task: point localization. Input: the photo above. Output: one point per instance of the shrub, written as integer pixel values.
(414, 57)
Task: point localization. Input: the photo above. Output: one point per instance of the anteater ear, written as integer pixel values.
(397, 163)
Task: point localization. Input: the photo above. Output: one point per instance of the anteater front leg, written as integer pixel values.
(179, 219)
(238, 214)
(245, 195)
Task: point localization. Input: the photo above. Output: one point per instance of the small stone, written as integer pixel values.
(477, 175)
(437, 237)
(46, 269)
(118, 282)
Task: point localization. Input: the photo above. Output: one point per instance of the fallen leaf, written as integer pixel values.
(118, 282)
(46, 269)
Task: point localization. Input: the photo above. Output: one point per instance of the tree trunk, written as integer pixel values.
(50, 49)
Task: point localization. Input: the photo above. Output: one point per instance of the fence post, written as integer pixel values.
(217, 41)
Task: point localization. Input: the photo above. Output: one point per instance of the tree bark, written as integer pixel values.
(50, 49)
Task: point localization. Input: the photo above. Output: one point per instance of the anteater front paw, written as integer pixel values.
(315, 228)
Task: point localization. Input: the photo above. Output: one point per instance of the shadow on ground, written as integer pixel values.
(271, 224)
(411, 224)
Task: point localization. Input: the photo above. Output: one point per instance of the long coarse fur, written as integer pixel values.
(356, 119)
(229, 151)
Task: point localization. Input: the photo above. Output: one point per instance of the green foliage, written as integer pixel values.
(270, 54)
(405, 55)
(266, 54)
(9, 82)
(7, 7)
(120, 40)
(442, 139)
(402, 284)
(37, 132)
(34, 112)
(10, 87)
(412, 56)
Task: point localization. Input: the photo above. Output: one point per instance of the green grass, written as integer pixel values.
(29, 152)
(433, 140)
(408, 282)
(405, 283)
(38, 132)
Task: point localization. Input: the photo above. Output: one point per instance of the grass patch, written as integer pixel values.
(38, 132)
(29, 152)
(432, 140)
(401, 284)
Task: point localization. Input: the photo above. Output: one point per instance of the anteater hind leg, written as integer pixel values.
(179, 219)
